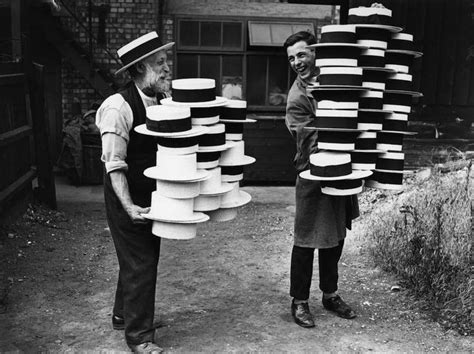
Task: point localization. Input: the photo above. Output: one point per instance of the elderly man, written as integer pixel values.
(320, 220)
(127, 191)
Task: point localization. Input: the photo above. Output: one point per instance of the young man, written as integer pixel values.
(127, 191)
(320, 220)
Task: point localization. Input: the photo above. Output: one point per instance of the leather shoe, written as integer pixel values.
(118, 322)
(147, 347)
(337, 305)
(301, 314)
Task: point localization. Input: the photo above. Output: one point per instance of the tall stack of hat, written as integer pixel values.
(176, 173)
(386, 65)
(337, 92)
(198, 94)
(233, 160)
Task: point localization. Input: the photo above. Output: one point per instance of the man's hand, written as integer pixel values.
(135, 212)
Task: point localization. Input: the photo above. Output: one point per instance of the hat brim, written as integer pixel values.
(244, 198)
(194, 131)
(357, 174)
(397, 132)
(373, 151)
(393, 29)
(335, 44)
(245, 160)
(341, 192)
(197, 217)
(407, 172)
(155, 172)
(336, 87)
(224, 147)
(335, 129)
(219, 101)
(163, 47)
(375, 110)
(223, 188)
(377, 68)
(402, 51)
(375, 184)
(237, 121)
(403, 92)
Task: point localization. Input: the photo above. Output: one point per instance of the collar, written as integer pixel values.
(147, 100)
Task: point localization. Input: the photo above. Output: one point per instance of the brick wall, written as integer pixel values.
(127, 20)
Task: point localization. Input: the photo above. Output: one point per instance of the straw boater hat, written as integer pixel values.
(139, 49)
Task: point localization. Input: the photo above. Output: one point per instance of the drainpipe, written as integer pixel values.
(89, 9)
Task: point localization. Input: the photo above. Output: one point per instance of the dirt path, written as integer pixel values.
(226, 290)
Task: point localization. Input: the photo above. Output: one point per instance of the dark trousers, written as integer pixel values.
(138, 252)
(301, 271)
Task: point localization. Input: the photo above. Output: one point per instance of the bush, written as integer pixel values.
(424, 236)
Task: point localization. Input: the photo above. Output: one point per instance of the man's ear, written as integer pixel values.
(140, 66)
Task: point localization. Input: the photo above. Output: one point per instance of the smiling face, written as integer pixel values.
(302, 59)
(156, 74)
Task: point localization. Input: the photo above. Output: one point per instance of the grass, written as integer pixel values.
(424, 236)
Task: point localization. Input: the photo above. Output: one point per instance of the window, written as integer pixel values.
(245, 57)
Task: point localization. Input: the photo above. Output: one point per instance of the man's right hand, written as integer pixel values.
(135, 213)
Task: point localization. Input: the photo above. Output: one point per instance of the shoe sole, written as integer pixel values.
(121, 327)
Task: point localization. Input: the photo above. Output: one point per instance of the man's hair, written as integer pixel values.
(305, 36)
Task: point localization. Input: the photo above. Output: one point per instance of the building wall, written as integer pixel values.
(127, 20)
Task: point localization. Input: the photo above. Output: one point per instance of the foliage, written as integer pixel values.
(424, 236)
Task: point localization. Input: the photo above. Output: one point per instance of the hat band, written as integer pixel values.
(178, 142)
(402, 85)
(389, 164)
(374, 34)
(208, 156)
(212, 139)
(140, 51)
(205, 112)
(398, 58)
(371, 60)
(201, 95)
(340, 79)
(337, 137)
(234, 128)
(397, 98)
(169, 125)
(371, 103)
(337, 52)
(336, 122)
(331, 171)
(234, 113)
(401, 45)
(365, 144)
(363, 157)
(232, 170)
(375, 19)
(389, 178)
(390, 138)
(344, 184)
(374, 75)
(370, 117)
(338, 37)
(395, 124)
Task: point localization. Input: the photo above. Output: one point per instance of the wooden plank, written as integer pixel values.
(432, 50)
(447, 58)
(8, 79)
(46, 186)
(16, 134)
(9, 192)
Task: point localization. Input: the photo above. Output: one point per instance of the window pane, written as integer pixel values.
(210, 69)
(189, 33)
(256, 79)
(211, 34)
(232, 36)
(187, 66)
(232, 77)
(277, 80)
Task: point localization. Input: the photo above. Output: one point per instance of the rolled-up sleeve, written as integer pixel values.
(114, 119)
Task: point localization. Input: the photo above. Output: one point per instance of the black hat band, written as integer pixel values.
(234, 128)
(370, 103)
(395, 125)
(212, 139)
(389, 164)
(234, 113)
(375, 19)
(342, 184)
(208, 156)
(195, 95)
(140, 51)
(372, 61)
(370, 117)
(340, 79)
(400, 85)
(373, 34)
(387, 177)
(366, 144)
(363, 157)
(232, 170)
(169, 125)
(331, 171)
(337, 37)
(400, 44)
(205, 112)
(335, 122)
(390, 138)
(178, 142)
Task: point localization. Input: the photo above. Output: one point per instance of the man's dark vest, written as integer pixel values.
(141, 151)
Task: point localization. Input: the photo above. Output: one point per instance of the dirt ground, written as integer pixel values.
(224, 291)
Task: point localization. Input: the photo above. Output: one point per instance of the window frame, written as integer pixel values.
(245, 50)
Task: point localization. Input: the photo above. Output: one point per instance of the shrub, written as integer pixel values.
(424, 236)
